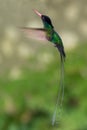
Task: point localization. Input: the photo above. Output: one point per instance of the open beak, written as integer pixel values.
(39, 14)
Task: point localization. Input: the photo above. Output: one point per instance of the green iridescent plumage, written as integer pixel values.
(48, 33)
(52, 35)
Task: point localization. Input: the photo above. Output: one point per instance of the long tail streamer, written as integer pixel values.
(60, 95)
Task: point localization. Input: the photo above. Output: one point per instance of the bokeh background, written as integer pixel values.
(30, 70)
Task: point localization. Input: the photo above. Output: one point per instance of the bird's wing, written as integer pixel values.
(34, 33)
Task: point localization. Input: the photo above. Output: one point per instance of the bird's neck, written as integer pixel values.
(47, 26)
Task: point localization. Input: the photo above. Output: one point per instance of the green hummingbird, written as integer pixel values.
(48, 33)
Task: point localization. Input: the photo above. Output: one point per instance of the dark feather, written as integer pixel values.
(61, 50)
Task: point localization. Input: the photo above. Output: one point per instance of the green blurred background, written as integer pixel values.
(30, 70)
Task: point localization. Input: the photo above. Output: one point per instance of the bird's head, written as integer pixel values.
(46, 20)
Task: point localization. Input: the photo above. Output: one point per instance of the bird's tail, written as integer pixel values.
(60, 94)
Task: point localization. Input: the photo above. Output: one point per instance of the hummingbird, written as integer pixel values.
(48, 33)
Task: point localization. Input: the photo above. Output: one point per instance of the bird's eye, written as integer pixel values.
(46, 19)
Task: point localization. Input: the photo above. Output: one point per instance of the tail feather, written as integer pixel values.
(60, 94)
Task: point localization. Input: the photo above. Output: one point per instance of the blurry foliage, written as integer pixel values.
(29, 78)
(28, 103)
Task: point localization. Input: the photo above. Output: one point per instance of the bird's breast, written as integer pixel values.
(49, 35)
